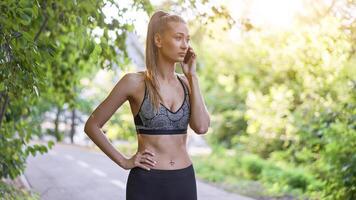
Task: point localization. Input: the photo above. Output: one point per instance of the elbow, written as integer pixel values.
(88, 127)
(203, 127)
(201, 130)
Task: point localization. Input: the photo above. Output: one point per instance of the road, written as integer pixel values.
(76, 173)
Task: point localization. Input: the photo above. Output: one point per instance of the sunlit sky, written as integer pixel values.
(271, 13)
(278, 14)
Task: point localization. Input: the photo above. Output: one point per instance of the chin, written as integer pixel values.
(180, 59)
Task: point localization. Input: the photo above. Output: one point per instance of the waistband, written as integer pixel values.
(164, 173)
(161, 131)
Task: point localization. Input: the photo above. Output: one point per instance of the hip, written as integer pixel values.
(158, 184)
(185, 172)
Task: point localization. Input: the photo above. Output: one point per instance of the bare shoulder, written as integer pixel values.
(133, 81)
(124, 90)
(134, 77)
(185, 80)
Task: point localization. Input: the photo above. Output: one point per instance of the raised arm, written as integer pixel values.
(119, 94)
(200, 117)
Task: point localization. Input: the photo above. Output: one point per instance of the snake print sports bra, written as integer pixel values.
(164, 122)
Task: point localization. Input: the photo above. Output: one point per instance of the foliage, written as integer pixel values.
(14, 193)
(46, 48)
(289, 97)
(235, 168)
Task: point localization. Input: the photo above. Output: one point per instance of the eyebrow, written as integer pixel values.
(182, 33)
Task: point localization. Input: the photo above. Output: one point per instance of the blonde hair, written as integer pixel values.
(157, 24)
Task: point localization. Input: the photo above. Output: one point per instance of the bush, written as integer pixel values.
(296, 179)
(253, 167)
(13, 193)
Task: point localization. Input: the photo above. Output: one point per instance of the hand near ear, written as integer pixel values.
(189, 68)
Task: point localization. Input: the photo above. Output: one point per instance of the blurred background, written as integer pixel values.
(277, 76)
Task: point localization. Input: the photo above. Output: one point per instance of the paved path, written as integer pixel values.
(76, 173)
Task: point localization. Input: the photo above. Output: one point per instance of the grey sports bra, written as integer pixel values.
(164, 121)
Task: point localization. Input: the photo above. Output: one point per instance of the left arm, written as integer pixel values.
(200, 119)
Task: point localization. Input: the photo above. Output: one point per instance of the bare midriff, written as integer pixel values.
(170, 150)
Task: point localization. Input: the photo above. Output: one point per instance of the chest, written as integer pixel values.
(173, 97)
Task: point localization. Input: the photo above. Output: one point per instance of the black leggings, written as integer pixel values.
(159, 184)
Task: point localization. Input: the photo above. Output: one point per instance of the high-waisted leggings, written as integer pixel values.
(159, 184)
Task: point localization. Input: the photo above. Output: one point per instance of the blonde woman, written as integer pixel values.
(163, 103)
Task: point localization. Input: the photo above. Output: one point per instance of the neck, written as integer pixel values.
(165, 70)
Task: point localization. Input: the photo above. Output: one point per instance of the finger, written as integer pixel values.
(148, 152)
(140, 163)
(149, 161)
(144, 167)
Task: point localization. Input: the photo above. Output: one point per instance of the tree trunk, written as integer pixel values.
(3, 105)
(56, 124)
(73, 125)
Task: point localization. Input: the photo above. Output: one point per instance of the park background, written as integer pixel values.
(278, 77)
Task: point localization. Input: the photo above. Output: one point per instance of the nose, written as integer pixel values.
(185, 44)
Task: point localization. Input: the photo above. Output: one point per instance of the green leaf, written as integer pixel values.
(50, 144)
(26, 16)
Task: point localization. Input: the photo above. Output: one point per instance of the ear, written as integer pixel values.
(158, 40)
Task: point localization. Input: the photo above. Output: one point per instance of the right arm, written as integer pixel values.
(102, 114)
(119, 94)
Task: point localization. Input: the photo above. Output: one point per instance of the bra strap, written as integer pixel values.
(145, 88)
(184, 86)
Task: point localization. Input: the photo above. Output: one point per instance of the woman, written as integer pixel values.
(161, 168)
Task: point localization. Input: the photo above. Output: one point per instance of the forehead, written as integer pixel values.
(178, 28)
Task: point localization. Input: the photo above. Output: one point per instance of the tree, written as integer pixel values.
(46, 46)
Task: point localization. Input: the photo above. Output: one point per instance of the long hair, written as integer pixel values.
(157, 24)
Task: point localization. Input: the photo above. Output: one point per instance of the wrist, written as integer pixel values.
(122, 162)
